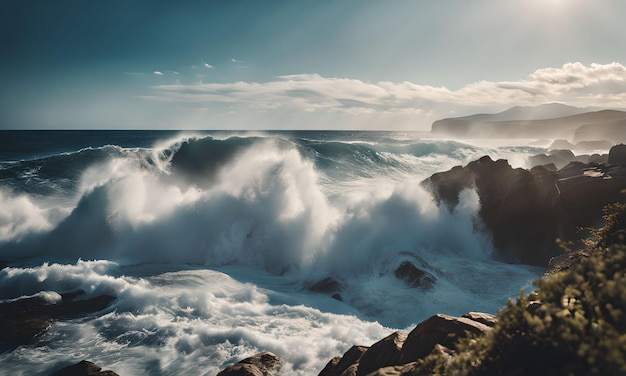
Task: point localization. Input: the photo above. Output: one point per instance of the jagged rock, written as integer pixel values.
(414, 277)
(559, 158)
(617, 155)
(526, 211)
(438, 329)
(343, 366)
(398, 353)
(83, 368)
(22, 320)
(516, 207)
(263, 364)
(481, 317)
(385, 352)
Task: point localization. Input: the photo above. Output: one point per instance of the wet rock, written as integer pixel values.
(83, 368)
(414, 277)
(22, 320)
(326, 285)
(263, 364)
(526, 211)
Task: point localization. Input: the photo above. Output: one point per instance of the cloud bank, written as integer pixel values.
(576, 84)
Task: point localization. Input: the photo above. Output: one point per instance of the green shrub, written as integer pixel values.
(573, 324)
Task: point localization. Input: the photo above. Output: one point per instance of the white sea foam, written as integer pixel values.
(191, 322)
(210, 269)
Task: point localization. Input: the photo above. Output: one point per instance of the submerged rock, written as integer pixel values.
(414, 277)
(263, 364)
(22, 320)
(326, 285)
(83, 368)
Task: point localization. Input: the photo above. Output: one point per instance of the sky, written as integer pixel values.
(301, 64)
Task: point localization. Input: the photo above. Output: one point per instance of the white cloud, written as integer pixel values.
(573, 83)
(208, 66)
(158, 73)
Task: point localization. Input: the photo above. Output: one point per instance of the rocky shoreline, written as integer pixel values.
(523, 210)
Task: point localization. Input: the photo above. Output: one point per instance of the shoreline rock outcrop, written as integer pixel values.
(399, 352)
(526, 211)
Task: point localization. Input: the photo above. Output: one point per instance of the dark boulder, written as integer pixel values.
(385, 352)
(414, 277)
(263, 364)
(399, 353)
(345, 365)
(525, 211)
(326, 285)
(438, 330)
(617, 155)
(83, 368)
(23, 319)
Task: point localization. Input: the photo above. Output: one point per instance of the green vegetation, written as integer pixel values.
(574, 323)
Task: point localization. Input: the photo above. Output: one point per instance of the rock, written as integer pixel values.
(326, 285)
(83, 368)
(438, 330)
(23, 319)
(399, 353)
(516, 207)
(526, 211)
(561, 144)
(483, 318)
(401, 370)
(599, 159)
(263, 364)
(617, 155)
(593, 145)
(345, 365)
(385, 352)
(414, 277)
(337, 296)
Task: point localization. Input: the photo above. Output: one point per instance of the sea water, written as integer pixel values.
(208, 241)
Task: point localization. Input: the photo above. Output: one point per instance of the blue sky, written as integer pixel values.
(315, 64)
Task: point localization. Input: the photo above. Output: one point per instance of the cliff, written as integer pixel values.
(607, 125)
(525, 211)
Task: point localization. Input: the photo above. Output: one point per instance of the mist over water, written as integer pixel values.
(208, 242)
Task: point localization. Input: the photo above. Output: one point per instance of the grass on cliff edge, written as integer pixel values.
(573, 324)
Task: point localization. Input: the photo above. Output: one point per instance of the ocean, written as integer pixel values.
(210, 242)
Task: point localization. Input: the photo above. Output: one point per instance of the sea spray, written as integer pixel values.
(208, 244)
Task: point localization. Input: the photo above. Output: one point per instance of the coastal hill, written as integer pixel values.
(546, 121)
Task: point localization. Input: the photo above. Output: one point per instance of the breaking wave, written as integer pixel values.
(209, 244)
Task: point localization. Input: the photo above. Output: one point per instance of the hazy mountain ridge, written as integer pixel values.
(576, 124)
(541, 112)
